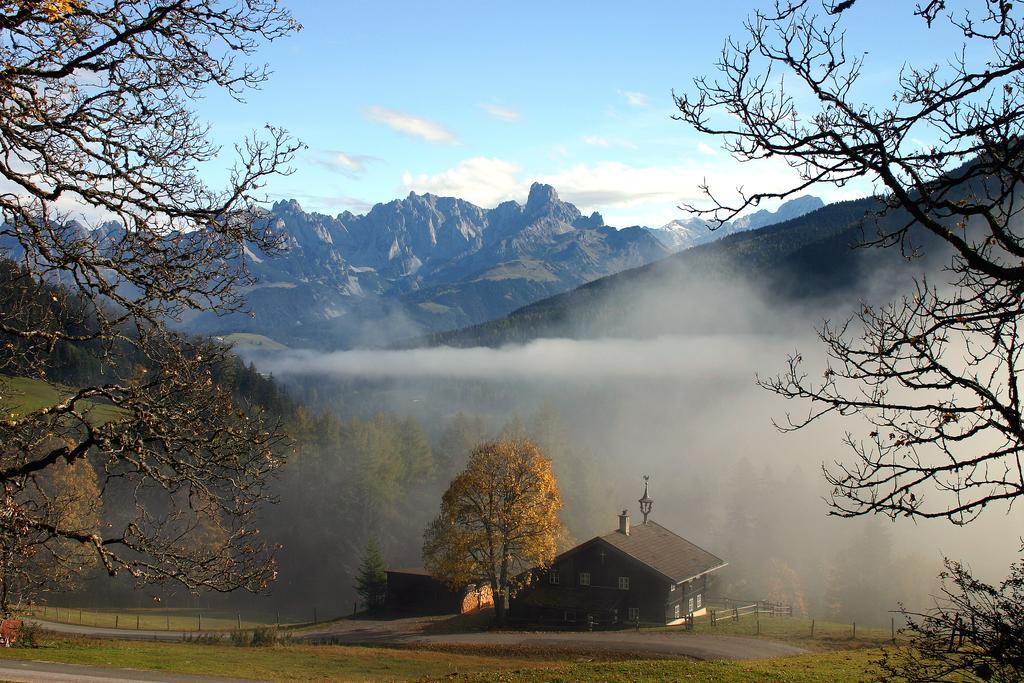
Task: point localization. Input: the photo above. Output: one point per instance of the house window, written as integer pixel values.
(570, 615)
(584, 578)
(698, 600)
(634, 614)
(623, 583)
(690, 605)
(614, 615)
(553, 577)
(675, 611)
(672, 588)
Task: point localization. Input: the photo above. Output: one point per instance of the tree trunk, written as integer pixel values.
(501, 606)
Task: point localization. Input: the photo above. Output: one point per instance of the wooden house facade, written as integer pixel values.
(644, 573)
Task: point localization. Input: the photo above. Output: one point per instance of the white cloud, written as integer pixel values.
(634, 99)
(598, 141)
(502, 113)
(326, 203)
(68, 206)
(349, 164)
(611, 183)
(704, 148)
(625, 194)
(413, 126)
(481, 180)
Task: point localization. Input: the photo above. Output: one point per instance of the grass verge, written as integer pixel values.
(797, 631)
(349, 663)
(146, 619)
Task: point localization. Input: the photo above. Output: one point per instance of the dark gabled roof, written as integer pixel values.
(663, 551)
(414, 571)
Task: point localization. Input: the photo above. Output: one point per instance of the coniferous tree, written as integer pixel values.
(372, 580)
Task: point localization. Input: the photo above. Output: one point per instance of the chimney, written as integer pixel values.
(624, 522)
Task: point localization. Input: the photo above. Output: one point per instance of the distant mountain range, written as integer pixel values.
(690, 232)
(426, 264)
(803, 266)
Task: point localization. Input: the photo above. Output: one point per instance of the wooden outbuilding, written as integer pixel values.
(415, 591)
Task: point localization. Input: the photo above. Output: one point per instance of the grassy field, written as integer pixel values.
(22, 395)
(796, 630)
(344, 663)
(149, 619)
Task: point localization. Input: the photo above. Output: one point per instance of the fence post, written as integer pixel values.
(855, 630)
(117, 621)
(892, 626)
(279, 619)
(238, 616)
(812, 628)
(79, 615)
(137, 622)
(168, 621)
(200, 621)
(758, 616)
(735, 614)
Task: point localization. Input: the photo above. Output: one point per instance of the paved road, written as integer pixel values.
(112, 633)
(412, 631)
(32, 672)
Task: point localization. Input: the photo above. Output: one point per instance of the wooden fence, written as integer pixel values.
(734, 610)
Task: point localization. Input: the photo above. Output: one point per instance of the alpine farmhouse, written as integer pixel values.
(634, 574)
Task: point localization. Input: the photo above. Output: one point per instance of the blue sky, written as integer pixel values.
(480, 99)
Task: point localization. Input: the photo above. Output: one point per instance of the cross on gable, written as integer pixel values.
(602, 554)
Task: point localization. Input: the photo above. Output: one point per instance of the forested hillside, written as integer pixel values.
(807, 261)
(350, 476)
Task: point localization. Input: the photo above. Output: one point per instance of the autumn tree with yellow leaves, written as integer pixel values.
(499, 518)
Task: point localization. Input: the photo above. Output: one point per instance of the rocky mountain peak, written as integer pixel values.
(541, 195)
(286, 206)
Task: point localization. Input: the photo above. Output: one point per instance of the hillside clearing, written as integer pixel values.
(22, 395)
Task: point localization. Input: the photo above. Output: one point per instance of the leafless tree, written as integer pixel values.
(974, 632)
(114, 234)
(934, 374)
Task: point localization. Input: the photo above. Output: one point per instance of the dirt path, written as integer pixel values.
(675, 643)
(415, 630)
(691, 645)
